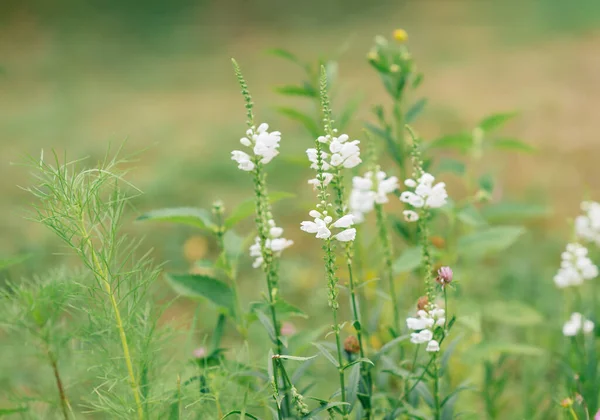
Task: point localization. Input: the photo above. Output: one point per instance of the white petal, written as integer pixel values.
(344, 222)
(346, 235)
(310, 227)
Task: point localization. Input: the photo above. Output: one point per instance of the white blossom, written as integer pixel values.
(587, 225)
(410, 215)
(425, 194)
(264, 144)
(368, 190)
(274, 242)
(575, 267)
(322, 225)
(424, 325)
(576, 324)
(342, 152)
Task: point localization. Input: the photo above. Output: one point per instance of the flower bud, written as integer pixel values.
(422, 303)
(438, 242)
(400, 35)
(566, 403)
(199, 353)
(288, 329)
(351, 345)
(445, 275)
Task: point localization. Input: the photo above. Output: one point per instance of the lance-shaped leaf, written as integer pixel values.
(203, 286)
(190, 216)
(490, 240)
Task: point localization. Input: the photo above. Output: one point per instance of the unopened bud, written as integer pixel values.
(438, 242)
(351, 345)
(422, 303)
(400, 35)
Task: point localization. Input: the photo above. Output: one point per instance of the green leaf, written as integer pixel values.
(297, 358)
(408, 261)
(247, 207)
(8, 262)
(496, 121)
(322, 408)
(9, 411)
(469, 215)
(490, 240)
(352, 387)
(231, 413)
(514, 145)
(486, 183)
(198, 285)
(199, 218)
(414, 111)
(507, 211)
(281, 307)
(308, 122)
(514, 313)
(326, 353)
(266, 322)
(461, 141)
(285, 54)
(390, 142)
(292, 90)
(358, 361)
(451, 165)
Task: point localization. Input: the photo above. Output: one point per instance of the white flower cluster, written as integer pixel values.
(426, 195)
(323, 224)
(424, 325)
(587, 226)
(366, 192)
(341, 153)
(274, 242)
(263, 144)
(577, 323)
(575, 267)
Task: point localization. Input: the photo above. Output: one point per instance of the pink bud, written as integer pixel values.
(199, 353)
(288, 329)
(444, 276)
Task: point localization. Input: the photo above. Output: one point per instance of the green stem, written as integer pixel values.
(263, 213)
(103, 277)
(388, 264)
(336, 329)
(436, 390)
(400, 138)
(446, 314)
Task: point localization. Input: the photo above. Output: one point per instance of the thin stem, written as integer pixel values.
(399, 117)
(572, 413)
(64, 403)
(388, 264)
(436, 390)
(336, 329)
(447, 315)
(276, 386)
(119, 322)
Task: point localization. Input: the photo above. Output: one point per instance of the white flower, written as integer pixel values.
(575, 267)
(274, 243)
(346, 235)
(410, 215)
(426, 194)
(263, 144)
(433, 346)
(577, 323)
(587, 226)
(327, 178)
(343, 152)
(368, 190)
(243, 160)
(425, 324)
(323, 223)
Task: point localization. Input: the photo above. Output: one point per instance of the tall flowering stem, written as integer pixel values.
(340, 153)
(341, 209)
(264, 147)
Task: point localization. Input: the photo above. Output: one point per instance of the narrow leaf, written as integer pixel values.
(507, 211)
(292, 90)
(496, 121)
(414, 111)
(408, 261)
(266, 322)
(513, 145)
(353, 382)
(308, 122)
(199, 218)
(297, 358)
(462, 142)
(327, 354)
(490, 240)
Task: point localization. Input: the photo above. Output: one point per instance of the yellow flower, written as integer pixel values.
(400, 35)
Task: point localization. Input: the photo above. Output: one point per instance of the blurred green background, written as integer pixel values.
(78, 75)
